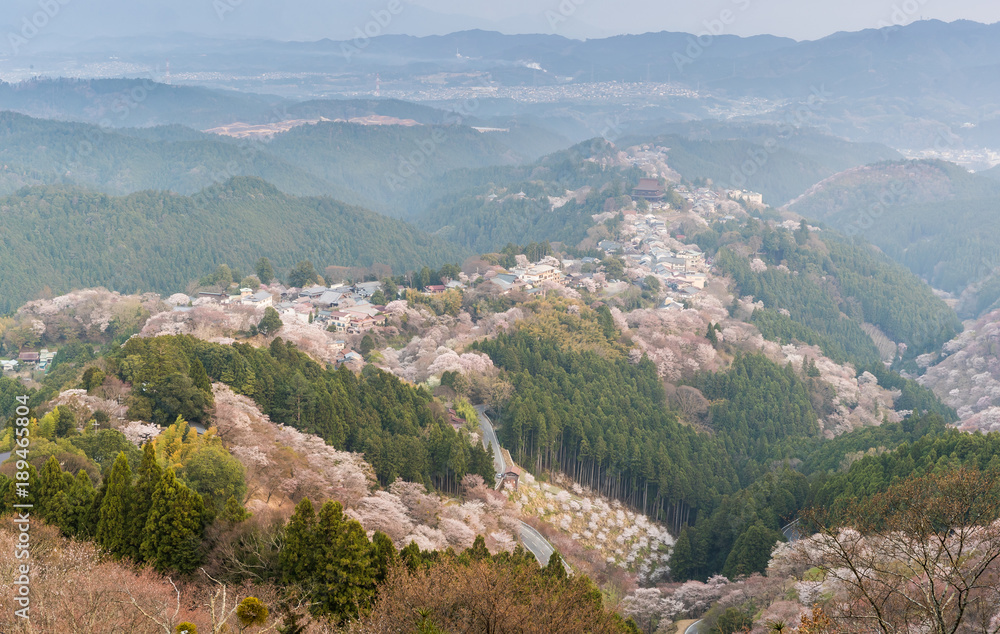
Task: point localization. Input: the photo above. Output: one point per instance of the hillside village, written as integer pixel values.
(650, 247)
(672, 305)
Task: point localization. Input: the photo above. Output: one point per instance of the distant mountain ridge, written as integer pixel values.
(374, 166)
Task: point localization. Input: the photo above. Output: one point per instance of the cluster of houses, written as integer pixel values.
(682, 271)
(29, 360)
(526, 276)
(342, 308)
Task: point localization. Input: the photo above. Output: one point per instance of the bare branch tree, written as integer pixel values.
(924, 556)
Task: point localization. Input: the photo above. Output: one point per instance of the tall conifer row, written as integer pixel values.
(147, 478)
(116, 507)
(173, 529)
(329, 554)
(80, 499)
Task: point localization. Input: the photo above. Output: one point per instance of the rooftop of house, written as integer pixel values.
(313, 291)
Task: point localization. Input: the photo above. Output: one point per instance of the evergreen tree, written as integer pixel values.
(93, 517)
(344, 581)
(173, 527)
(682, 564)
(80, 499)
(116, 508)
(302, 275)
(478, 550)
(198, 375)
(802, 233)
(66, 422)
(751, 552)
(555, 568)
(297, 556)
(50, 484)
(412, 557)
(147, 479)
(265, 273)
(270, 323)
(234, 513)
(384, 556)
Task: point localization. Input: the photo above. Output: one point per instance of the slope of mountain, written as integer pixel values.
(891, 183)
(491, 207)
(376, 166)
(932, 216)
(993, 172)
(64, 238)
(124, 161)
(382, 163)
(779, 162)
(136, 102)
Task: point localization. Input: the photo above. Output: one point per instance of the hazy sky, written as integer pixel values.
(341, 19)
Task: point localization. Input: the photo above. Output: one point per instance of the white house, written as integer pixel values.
(260, 298)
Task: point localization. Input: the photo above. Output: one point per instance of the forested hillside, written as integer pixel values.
(125, 161)
(64, 238)
(583, 407)
(135, 102)
(780, 162)
(821, 290)
(932, 216)
(391, 423)
(496, 206)
(381, 163)
(387, 168)
(865, 191)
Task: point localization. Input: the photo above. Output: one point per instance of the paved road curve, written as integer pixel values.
(532, 539)
(538, 545)
(696, 627)
(490, 439)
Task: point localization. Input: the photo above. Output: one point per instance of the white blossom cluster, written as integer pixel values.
(620, 536)
(967, 377)
(282, 460)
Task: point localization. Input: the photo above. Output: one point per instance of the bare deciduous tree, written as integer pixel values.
(924, 556)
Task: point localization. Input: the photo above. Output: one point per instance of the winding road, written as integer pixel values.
(696, 627)
(540, 547)
(490, 440)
